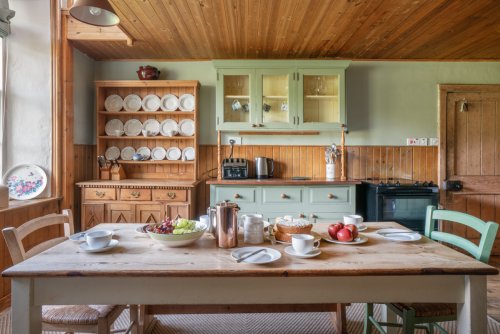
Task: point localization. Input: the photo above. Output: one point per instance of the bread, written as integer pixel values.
(284, 228)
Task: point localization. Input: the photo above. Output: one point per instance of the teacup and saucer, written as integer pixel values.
(98, 241)
(303, 246)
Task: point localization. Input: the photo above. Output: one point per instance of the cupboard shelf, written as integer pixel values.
(145, 138)
(149, 113)
(237, 97)
(276, 97)
(157, 162)
(321, 96)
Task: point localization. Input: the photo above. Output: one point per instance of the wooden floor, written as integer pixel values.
(494, 291)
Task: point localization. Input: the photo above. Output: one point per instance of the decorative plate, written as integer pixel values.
(112, 153)
(133, 127)
(132, 102)
(113, 103)
(188, 153)
(361, 239)
(112, 126)
(158, 153)
(269, 255)
(25, 181)
(127, 153)
(174, 153)
(150, 103)
(186, 102)
(145, 152)
(169, 102)
(168, 125)
(152, 125)
(186, 127)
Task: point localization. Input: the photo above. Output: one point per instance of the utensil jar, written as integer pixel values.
(224, 224)
(330, 171)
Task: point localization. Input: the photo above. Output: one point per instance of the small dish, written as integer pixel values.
(151, 102)
(113, 103)
(396, 234)
(174, 153)
(158, 153)
(127, 153)
(132, 102)
(113, 126)
(113, 243)
(77, 237)
(361, 239)
(132, 127)
(169, 126)
(151, 125)
(169, 102)
(290, 251)
(112, 153)
(145, 152)
(269, 255)
(186, 127)
(188, 154)
(186, 102)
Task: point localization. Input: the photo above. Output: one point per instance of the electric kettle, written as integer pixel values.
(264, 167)
(223, 223)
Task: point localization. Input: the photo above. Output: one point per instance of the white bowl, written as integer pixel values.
(178, 240)
(98, 239)
(353, 219)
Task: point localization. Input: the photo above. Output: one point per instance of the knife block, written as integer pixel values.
(117, 173)
(104, 173)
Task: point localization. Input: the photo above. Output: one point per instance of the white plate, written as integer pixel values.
(186, 127)
(113, 243)
(113, 125)
(361, 239)
(397, 234)
(113, 103)
(290, 251)
(112, 153)
(169, 102)
(25, 181)
(152, 125)
(168, 125)
(151, 102)
(78, 237)
(188, 154)
(132, 102)
(270, 255)
(127, 153)
(361, 227)
(158, 153)
(186, 102)
(133, 127)
(174, 153)
(145, 152)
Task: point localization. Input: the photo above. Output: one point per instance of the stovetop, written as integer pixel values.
(393, 182)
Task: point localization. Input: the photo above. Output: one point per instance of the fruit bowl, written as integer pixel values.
(178, 240)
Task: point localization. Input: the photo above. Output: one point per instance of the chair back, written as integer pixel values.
(487, 230)
(14, 236)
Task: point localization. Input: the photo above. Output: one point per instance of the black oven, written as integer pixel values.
(402, 201)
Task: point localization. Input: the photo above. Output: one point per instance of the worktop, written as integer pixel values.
(283, 181)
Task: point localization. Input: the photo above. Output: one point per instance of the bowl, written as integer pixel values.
(179, 240)
(353, 219)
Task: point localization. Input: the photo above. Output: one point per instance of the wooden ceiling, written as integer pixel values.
(283, 29)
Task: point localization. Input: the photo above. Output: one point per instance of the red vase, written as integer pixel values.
(148, 73)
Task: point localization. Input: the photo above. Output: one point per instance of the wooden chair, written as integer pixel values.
(66, 318)
(426, 315)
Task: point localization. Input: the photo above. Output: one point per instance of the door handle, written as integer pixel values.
(452, 185)
(171, 195)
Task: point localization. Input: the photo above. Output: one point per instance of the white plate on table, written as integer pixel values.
(112, 153)
(113, 243)
(188, 153)
(174, 153)
(151, 102)
(133, 127)
(132, 102)
(158, 153)
(361, 239)
(269, 255)
(186, 102)
(168, 125)
(145, 152)
(290, 251)
(113, 103)
(25, 181)
(169, 102)
(112, 126)
(186, 127)
(127, 153)
(396, 234)
(152, 125)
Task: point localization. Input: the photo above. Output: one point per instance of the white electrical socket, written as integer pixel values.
(433, 141)
(412, 141)
(237, 140)
(422, 141)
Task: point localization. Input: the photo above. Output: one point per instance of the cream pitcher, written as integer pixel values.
(223, 223)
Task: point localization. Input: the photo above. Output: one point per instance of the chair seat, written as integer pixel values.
(428, 309)
(75, 314)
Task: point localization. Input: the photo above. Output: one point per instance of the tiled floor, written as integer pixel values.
(494, 291)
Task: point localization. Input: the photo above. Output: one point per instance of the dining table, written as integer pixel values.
(140, 270)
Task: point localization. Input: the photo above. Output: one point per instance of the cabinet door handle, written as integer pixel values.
(330, 196)
(261, 125)
(254, 125)
(284, 196)
(313, 216)
(302, 215)
(237, 196)
(100, 194)
(171, 195)
(135, 194)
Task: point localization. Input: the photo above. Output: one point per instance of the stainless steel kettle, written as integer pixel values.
(223, 223)
(264, 167)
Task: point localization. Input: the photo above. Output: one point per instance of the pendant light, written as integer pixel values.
(94, 12)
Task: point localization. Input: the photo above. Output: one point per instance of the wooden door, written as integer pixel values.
(120, 213)
(149, 213)
(470, 152)
(92, 215)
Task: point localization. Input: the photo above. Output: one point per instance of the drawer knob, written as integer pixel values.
(100, 194)
(135, 194)
(302, 215)
(171, 195)
(237, 196)
(284, 196)
(261, 125)
(254, 125)
(313, 216)
(330, 196)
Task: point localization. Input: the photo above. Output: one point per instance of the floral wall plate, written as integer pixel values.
(25, 181)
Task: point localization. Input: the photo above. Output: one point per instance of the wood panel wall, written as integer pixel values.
(84, 169)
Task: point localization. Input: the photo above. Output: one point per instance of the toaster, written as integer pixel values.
(234, 168)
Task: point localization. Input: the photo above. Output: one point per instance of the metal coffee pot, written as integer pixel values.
(223, 223)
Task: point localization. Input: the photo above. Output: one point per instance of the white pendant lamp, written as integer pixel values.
(94, 12)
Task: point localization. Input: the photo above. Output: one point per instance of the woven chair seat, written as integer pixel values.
(75, 314)
(429, 309)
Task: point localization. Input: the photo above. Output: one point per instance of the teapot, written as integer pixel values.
(148, 73)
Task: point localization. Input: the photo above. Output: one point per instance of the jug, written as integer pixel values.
(223, 223)
(264, 167)
(148, 73)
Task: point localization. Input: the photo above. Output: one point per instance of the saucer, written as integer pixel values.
(290, 251)
(78, 237)
(361, 227)
(270, 255)
(113, 243)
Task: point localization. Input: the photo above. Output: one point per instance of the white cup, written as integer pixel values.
(304, 243)
(353, 219)
(330, 171)
(98, 239)
(236, 105)
(204, 219)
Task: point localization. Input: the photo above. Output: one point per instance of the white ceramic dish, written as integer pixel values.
(186, 102)
(113, 103)
(269, 255)
(169, 125)
(188, 154)
(361, 239)
(186, 127)
(113, 126)
(25, 181)
(151, 125)
(127, 153)
(151, 102)
(174, 153)
(158, 153)
(112, 153)
(178, 240)
(290, 251)
(133, 127)
(396, 234)
(169, 102)
(132, 102)
(145, 152)
(87, 248)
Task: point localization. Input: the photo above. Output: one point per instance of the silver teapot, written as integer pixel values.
(223, 223)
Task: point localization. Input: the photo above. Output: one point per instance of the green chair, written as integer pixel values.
(426, 315)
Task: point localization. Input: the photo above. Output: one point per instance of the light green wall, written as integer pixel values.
(386, 101)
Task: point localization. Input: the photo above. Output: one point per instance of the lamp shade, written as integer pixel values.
(95, 12)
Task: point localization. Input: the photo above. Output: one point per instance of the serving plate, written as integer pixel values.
(113, 103)
(269, 255)
(112, 126)
(132, 102)
(151, 102)
(132, 127)
(169, 102)
(112, 153)
(25, 181)
(361, 239)
(186, 127)
(186, 102)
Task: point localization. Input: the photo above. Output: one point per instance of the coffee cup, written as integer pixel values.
(353, 219)
(246, 107)
(284, 106)
(118, 133)
(266, 107)
(304, 243)
(147, 133)
(236, 105)
(98, 239)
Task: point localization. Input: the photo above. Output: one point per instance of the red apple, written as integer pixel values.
(334, 228)
(354, 230)
(345, 235)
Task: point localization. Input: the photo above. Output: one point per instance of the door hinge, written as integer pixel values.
(217, 120)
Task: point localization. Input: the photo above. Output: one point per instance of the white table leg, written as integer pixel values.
(472, 313)
(388, 316)
(26, 317)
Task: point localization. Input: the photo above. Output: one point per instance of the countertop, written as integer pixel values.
(138, 183)
(283, 181)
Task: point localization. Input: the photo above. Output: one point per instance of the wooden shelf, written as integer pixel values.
(157, 162)
(159, 137)
(275, 97)
(321, 96)
(139, 113)
(236, 96)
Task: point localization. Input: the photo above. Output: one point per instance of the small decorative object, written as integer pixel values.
(148, 73)
(25, 181)
(331, 154)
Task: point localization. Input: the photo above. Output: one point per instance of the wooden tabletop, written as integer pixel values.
(138, 256)
(283, 181)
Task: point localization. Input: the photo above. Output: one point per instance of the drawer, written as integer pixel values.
(170, 195)
(235, 194)
(329, 195)
(281, 195)
(135, 194)
(100, 194)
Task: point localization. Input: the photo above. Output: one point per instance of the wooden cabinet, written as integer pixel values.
(284, 94)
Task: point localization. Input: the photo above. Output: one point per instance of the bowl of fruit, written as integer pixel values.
(176, 232)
